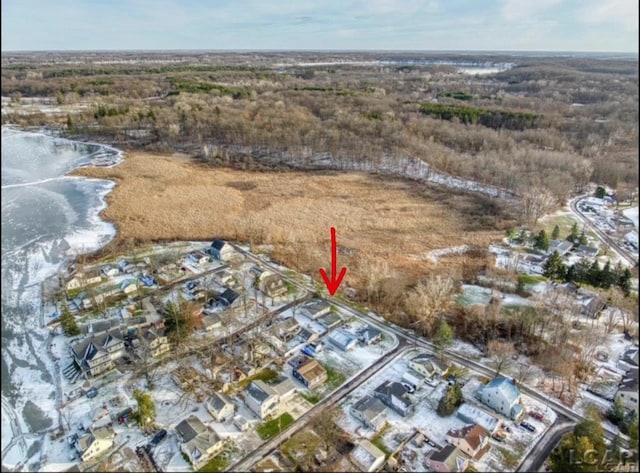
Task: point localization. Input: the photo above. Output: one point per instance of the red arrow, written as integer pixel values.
(333, 283)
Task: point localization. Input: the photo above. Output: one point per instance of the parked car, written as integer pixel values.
(536, 415)
(497, 438)
(307, 350)
(72, 439)
(528, 426)
(431, 382)
(409, 387)
(92, 392)
(158, 437)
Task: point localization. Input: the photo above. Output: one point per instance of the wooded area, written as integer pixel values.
(552, 123)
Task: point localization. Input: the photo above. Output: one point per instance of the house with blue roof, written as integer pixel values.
(502, 395)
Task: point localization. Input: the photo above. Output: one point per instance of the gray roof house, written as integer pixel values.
(370, 411)
(394, 396)
(369, 335)
(199, 442)
(315, 308)
(587, 251)
(561, 246)
(262, 398)
(220, 407)
(502, 395)
(228, 297)
(428, 365)
(342, 339)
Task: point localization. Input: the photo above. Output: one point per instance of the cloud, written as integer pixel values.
(516, 10)
(619, 12)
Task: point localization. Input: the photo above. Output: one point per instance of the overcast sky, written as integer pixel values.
(529, 25)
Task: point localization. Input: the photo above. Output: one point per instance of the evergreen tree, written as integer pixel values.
(68, 322)
(601, 192)
(555, 234)
(146, 413)
(541, 241)
(594, 275)
(607, 276)
(451, 399)
(624, 281)
(582, 239)
(554, 268)
(443, 336)
(573, 236)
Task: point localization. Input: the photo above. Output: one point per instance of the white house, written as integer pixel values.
(261, 398)
(220, 407)
(428, 365)
(502, 395)
(628, 394)
(367, 456)
(97, 442)
(110, 271)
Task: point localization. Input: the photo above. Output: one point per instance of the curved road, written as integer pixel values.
(622, 252)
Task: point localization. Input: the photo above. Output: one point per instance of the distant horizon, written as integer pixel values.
(314, 25)
(327, 51)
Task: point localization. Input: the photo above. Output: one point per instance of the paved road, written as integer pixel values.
(534, 460)
(620, 250)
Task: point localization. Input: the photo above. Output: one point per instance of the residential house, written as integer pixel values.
(241, 423)
(287, 329)
(261, 398)
(587, 251)
(97, 442)
(593, 306)
(123, 263)
(220, 407)
(315, 308)
(448, 459)
(96, 353)
(367, 456)
(200, 258)
(310, 373)
(128, 286)
(268, 282)
(471, 439)
(428, 365)
(221, 250)
(229, 298)
(369, 335)
(154, 340)
(502, 395)
(370, 411)
(342, 339)
(475, 415)
(330, 320)
(307, 336)
(284, 387)
(84, 278)
(561, 246)
(629, 359)
(394, 396)
(627, 393)
(110, 271)
(198, 442)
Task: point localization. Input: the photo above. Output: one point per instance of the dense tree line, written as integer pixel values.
(589, 272)
(517, 130)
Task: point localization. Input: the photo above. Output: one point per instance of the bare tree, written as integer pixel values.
(426, 302)
(536, 202)
(501, 353)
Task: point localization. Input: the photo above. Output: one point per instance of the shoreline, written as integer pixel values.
(31, 370)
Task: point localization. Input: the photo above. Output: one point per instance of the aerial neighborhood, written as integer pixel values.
(204, 351)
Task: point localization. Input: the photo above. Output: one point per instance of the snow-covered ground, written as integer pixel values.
(632, 214)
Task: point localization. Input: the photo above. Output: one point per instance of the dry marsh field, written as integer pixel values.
(160, 197)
